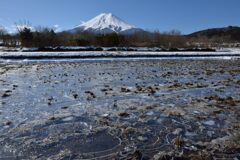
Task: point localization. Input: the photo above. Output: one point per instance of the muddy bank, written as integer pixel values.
(124, 110)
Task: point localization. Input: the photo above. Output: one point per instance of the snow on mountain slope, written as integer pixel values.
(105, 23)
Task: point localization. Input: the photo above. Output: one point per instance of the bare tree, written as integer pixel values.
(3, 36)
(3, 32)
(21, 25)
(25, 31)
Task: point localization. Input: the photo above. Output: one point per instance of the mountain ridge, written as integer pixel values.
(230, 33)
(106, 23)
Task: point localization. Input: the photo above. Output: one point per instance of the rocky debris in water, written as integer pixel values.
(167, 74)
(104, 90)
(146, 89)
(150, 107)
(52, 118)
(123, 114)
(223, 101)
(236, 125)
(65, 107)
(7, 93)
(104, 121)
(174, 112)
(75, 95)
(15, 86)
(50, 101)
(90, 95)
(126, 90)
(175, 85)
(227, 143)
(8, 123)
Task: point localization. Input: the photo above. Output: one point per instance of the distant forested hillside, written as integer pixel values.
(229, 34)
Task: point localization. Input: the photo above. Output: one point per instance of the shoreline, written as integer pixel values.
(108, 49)
(111, 55)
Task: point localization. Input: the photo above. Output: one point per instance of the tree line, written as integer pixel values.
(47, 37)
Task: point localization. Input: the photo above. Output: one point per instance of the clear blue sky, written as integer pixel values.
(184, 15)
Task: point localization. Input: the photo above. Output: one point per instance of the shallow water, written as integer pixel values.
(61, 60)
(118, 108)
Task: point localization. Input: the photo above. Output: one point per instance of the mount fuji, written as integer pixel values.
(106, 23)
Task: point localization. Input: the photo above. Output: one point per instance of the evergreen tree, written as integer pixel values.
(26, 37)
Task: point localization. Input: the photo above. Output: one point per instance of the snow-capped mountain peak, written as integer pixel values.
(105, 23)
